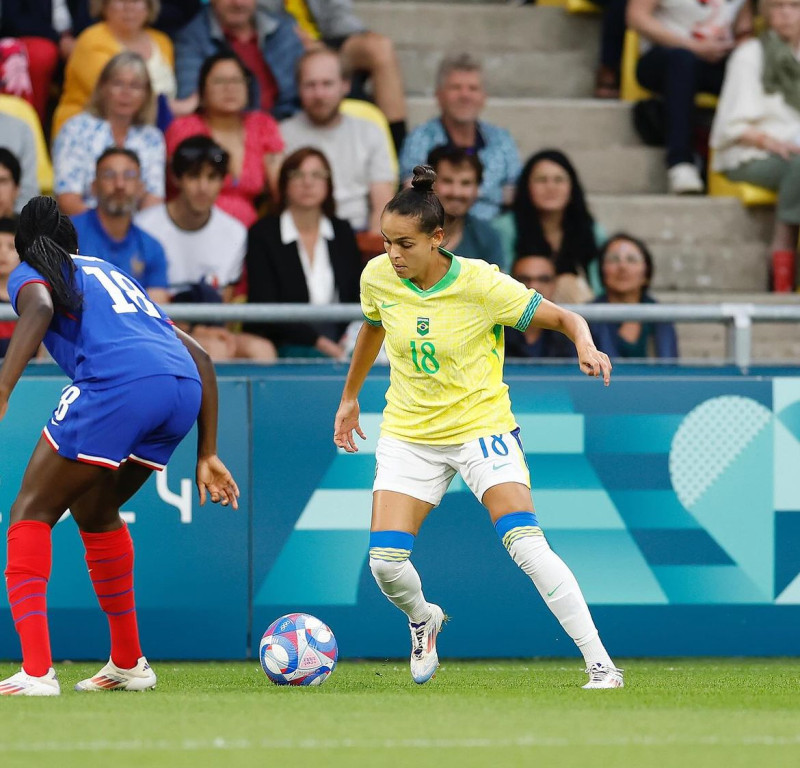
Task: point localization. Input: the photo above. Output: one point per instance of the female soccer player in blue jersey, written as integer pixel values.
(448, 410)
(138, 386)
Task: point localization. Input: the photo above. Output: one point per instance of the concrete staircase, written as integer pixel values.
(539, 68)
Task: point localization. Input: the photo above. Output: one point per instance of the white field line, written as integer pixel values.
(223, 745)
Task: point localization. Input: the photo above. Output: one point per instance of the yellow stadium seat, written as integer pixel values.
(19, 108)
(367, 111)
(582, 6)
(629, 88)
(749, 195)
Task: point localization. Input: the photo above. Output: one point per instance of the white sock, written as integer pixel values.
(400, 582)
(559, 589)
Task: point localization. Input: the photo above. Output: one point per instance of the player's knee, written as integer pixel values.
(516, 526)
(388, 554)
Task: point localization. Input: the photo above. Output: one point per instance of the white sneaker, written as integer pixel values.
(684, 179)
(603, 676)
(424, 659)
(112, 678)
(23, 684)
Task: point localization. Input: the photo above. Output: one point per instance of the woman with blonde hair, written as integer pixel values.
(756, 130)
(120, 113)
(124, 26)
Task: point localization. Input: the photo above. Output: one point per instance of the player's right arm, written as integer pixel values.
(211, 475)
(35, 309)
(368, 344)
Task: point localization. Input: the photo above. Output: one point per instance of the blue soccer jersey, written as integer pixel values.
(117, 336)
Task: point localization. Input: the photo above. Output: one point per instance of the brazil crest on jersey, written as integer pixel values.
(445, 346)
(118, 335)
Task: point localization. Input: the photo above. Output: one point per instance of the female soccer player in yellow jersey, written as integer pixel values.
(448, 410)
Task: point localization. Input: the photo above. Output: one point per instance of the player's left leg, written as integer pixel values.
(110, 559)
(511, 510)
(50, 484)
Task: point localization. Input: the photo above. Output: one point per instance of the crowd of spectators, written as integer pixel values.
(211, 149)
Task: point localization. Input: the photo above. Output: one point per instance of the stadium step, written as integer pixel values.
(699, 243)
(526, 51)
(707, 341)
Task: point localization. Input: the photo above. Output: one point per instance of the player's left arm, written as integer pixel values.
(35, 309)
(592, 362)
(212, 475)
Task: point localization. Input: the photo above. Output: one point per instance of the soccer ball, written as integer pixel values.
(298, 649)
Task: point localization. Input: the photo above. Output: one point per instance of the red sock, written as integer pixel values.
(109, 557)
(27, 571)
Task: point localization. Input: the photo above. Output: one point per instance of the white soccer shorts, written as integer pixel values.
(425, 471)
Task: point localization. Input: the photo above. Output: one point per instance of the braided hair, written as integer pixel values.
(45, 238)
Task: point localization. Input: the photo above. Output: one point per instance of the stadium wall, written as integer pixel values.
(674, 495)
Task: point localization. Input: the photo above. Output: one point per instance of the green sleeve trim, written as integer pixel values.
(377, 323)
(527, 315)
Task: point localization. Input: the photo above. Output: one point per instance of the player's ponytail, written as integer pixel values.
(44, 239)
(420, 202)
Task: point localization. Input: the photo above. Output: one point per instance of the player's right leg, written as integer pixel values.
(410, 481)
(110, 559)
(50, 484)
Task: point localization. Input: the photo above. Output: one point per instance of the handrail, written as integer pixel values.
(739, 318)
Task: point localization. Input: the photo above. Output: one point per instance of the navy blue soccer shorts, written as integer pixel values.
(142, 420)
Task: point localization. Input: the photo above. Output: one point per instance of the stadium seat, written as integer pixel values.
(368, 111)
(749, 195)
(582, 6)
(19, 108)
(630, 90)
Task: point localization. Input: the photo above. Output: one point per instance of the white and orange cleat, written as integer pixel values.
(23, 684)
(424, 659)
(112, 678)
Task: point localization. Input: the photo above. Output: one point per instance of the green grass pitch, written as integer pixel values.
(677, 712)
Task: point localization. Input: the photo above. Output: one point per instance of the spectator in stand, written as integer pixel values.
(626, 267)
(47, 28)
(108, 231)
(756, 130)
(176, 14)
(461, 97)
(334, 24)
(304, 255)
(204, 246)
(11, 191)
(120, 114)
(267, 44)
(359, 151)
(124, 27)
(458, 178)
(550, 217)
(251, 138)
(539, 273)
(8, 262)
(685, 44)
(612, 39)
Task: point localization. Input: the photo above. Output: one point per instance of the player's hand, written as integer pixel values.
(594, 363)
(343, 425)
(213, 477)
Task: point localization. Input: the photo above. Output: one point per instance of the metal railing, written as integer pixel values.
(738, 318)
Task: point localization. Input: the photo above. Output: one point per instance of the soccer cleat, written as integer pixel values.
(23, 684)
(424, 659)
(112, 678)
(603, 676)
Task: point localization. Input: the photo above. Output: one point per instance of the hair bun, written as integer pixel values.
(424, 176)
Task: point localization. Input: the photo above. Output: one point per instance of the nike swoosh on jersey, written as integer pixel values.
(500, 466)
(389, 306)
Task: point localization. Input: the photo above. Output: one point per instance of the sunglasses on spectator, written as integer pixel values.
(197, 154)
(119, 85)
(298, 175)
(531, 279)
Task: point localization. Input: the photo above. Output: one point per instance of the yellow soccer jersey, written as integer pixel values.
(445, 346)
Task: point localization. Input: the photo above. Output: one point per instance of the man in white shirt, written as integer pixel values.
(358, 150)
(204, 246)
